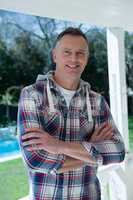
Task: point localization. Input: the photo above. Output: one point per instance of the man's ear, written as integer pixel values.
(54, 55)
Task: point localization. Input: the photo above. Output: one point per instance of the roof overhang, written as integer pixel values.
(108, 13)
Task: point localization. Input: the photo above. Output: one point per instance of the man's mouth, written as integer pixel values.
(73, 67)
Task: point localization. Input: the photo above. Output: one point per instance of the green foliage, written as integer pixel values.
(129, 58)
(130, 126)
(6, 63)
(96, 71)
(20, 65)
(4, 121)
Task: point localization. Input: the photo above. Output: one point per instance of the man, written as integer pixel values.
(66, 129)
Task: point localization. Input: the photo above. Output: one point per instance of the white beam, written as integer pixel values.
(117, 80)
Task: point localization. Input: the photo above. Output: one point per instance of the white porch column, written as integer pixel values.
(117, 80)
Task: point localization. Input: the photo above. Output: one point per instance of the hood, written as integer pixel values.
(49, 75)
(44, 77)
(83, 84)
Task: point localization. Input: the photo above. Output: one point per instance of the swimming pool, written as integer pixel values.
(9, 145)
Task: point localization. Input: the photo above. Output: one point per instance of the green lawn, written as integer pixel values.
(13, 177)
(13, 180)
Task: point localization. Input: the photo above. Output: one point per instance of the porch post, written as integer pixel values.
(117, 80)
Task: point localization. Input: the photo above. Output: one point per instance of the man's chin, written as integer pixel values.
(72, 75)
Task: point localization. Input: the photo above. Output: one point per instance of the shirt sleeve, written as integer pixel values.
(107, 151)
(28, 117)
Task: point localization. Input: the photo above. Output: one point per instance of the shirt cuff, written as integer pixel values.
(93, 153)
(58, 164)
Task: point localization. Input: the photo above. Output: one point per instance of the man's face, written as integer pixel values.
(70, 56)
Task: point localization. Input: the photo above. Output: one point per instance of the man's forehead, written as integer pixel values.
(70, 42)
(84, 49)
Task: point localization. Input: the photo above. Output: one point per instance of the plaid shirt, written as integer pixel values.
(68, 125)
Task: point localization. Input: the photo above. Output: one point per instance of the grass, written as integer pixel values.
(13, 180)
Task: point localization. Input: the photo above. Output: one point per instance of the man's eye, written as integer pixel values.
(80, 53)
(67, 52)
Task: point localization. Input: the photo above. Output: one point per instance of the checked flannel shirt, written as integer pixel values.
(42, 105)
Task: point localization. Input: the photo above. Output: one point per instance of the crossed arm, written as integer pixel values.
(76, 154)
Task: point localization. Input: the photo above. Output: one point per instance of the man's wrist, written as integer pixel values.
(61, 147)
(65, 147)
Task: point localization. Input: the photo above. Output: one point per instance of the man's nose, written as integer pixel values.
(74, 57)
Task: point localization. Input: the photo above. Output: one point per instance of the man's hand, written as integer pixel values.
(37, 139)
(104, 132)
(71, 164)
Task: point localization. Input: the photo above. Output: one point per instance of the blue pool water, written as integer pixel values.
(8, 142)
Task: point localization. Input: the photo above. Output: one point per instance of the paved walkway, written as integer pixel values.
(24, 198)
(7, 158)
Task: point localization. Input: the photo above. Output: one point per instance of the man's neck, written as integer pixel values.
(65, 83)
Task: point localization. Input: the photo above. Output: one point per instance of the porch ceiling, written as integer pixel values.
(109, 13)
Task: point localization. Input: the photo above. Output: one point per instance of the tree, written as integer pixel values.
(96, 71)
(10, 99)
(21, 64)
(129, 69)
(129, 58)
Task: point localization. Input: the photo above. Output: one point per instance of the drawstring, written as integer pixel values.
(89, 111)
(50, 99)
(51, 104)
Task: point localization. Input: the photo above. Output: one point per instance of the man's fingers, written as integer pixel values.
(106, 129)
(108, 135)
(31, 135)
(31, 142)
(33, 130)
(104, 132)
(34, 147)
(100, 128)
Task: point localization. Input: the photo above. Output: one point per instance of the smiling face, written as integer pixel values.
(70, 56)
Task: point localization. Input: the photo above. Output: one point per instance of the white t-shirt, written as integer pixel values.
(68, 94)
